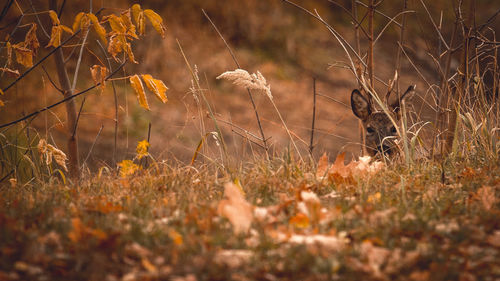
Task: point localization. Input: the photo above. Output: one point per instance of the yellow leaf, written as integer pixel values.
(138, 15)
(77, 22)
(1, 92)
(127, 168)
(136, 11)
(98, 28)
(139, 91)
(156, 21)
(23, 56)
(128, 24)
(55, 36)
(117, 24)
(129, 52)
(156, 86)
(55, 19)
(142, 149)
(1, 102)
(373, 198)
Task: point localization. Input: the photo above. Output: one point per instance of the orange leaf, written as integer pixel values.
(136, 83)
(156, 86)
(300, 220)
(78, 231)
(66, 29)
(339, 168)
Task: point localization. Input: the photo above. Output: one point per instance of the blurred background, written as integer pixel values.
(288, 46)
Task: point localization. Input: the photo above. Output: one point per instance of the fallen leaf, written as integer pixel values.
(236, 209)
(322, 169)
(233, 258)
(486, 195)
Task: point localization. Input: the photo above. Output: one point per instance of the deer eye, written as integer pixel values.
(393, 130)
(370, 130)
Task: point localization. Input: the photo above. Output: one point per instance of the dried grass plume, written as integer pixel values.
(254, 81)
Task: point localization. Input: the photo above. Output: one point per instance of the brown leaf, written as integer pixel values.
(115, 46)
(23, 56)
(99, 74)
(30, 40)
(339, 172)
(13, 73)
(322, 166)
(156, 86)
(136, 84)
(235, 208)
(9, 54)
(156, 21)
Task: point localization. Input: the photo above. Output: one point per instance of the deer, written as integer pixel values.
(379, 126)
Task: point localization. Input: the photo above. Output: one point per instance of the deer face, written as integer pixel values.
(379, 129)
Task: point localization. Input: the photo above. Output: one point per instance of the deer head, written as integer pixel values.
(380, 131)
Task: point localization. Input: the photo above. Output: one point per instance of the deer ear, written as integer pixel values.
(396, 105)
(360, 105)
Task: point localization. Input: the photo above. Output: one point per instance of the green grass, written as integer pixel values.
(399, 224)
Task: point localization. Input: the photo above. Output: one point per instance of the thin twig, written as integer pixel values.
(335, 100)
(92, 146)
(51, 81)
(78, 118)
(311, 146)
(115, 95)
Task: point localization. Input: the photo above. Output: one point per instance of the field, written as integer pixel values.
(229, 149)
